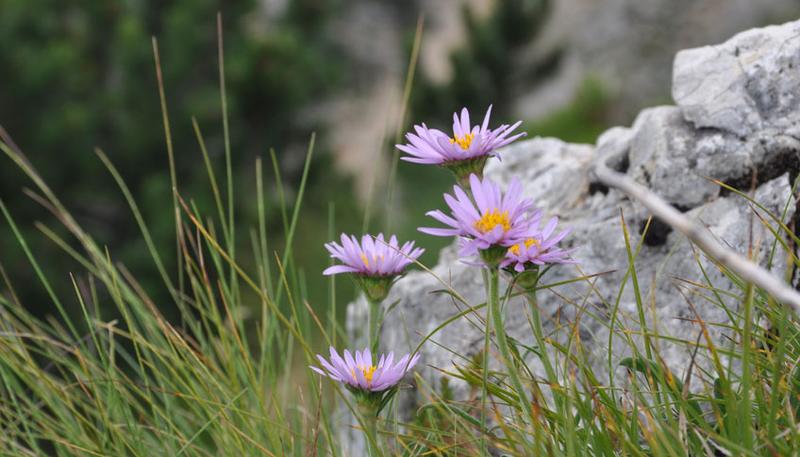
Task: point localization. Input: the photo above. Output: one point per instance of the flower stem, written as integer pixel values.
(485, 367)
(369, 420)
(538, 334)
(502, 342)
(374, 323)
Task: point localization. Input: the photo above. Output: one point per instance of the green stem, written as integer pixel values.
(502, 341)
(369, 421)
(485, 368)
(374, 323)
(538, 333)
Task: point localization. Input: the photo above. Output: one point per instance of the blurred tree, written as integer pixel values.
(80, 74)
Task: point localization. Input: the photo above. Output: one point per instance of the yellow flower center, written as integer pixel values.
(528, 243)
(492, 219)
(463, 141)
(368, 372)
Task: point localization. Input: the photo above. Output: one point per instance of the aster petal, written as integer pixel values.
(326, 365)
(464, 212)
(465, 204)
(464, 121)
(401, 363)
(439, 231)
(457, 129)
(474, 149)
(446, 149)
(420, 152)
(480, 196)
(429, 161)
(361, 380)
(348, 358)
(485, 125)
(549, 228)
(336, 269)
(443, 218)
(507, 141)
(338, 362)
(327, 375)
(389, 359)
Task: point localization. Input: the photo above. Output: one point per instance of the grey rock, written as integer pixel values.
(673, 159)
(744, 85)
(554, 172)
(672, 149)
(627, 46)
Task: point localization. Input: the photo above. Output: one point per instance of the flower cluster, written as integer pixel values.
(502, 229)
(487, 219)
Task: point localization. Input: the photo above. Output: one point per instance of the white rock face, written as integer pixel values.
(628, 44)
(736, 122)
(745, 85)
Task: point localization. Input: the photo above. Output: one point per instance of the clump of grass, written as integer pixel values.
(225, 380)
(212, 382)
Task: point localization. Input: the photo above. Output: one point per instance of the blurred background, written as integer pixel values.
(75, 75)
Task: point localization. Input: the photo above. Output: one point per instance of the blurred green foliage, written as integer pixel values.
(582, 121)
(79, 75)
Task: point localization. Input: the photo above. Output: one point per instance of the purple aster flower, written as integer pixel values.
(373, 262)
(358, 372)
(372, 257)
(465, 152)
(492, 221)
(538, 249)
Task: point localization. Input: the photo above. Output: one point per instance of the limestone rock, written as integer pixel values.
(627, 46)
(744, 85)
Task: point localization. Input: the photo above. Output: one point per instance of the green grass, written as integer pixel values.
(228, 376)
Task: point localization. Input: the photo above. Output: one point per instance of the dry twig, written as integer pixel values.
(747, 270)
